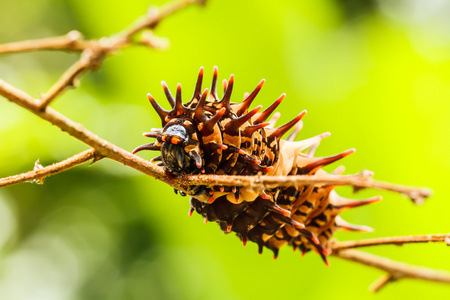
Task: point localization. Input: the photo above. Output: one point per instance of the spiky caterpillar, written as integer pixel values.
(216, 136)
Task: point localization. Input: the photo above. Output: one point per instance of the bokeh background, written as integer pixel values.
(374, 73)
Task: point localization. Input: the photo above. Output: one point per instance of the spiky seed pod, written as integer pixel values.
(216, 136)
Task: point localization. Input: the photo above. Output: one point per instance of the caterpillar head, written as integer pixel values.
(178, 144)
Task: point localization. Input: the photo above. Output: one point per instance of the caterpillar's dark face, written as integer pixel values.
(173, 153)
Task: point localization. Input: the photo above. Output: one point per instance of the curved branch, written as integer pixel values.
(392, 240)
(41, 173)
(396, 270)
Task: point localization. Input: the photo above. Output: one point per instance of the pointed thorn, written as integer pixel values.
(295, 132)
(353, 204)
(244, 240)
(280, 131)
(326, 161)
(205, 220)
(224, 85)
(214, 84)
(151, 134)
(249, 99)
(152, 146)
(169, 96)
(266, 113)
(162, 113)
(198, 86)
(191, 211)
(233, 126)
(252, 128)
(274, 119)
(229, 225)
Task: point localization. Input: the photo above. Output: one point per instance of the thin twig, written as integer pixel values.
(393, 240)
(44, 172)
(68, 79)
(72, 41)
(396, 269)
(155, 15)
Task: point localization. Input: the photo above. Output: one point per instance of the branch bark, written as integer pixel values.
(392, 240)
(396, 270)
(56, 168)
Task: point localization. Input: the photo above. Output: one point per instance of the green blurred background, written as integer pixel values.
(374, 73)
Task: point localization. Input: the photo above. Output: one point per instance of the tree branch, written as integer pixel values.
(72, 41)
(41, 173)
(361, 180)
(396, 270)
(392, 240)
(87, 60)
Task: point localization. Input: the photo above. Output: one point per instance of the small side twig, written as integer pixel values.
(86, 61)
(396, 270)
(41, 173)
(72, 41)
(392, 240)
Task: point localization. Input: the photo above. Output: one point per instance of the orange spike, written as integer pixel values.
(198, 87)
(266, 113)
(229, 225)
(233, 126)
(209, 124)
(162, 113)
(275, 208)
(260, 248)
(152, 146)
(214, 84)
(347, 203)
(179, 108)
(263, 195)
(169, 96)
(224, 85)
(296, 130)
(237, 194)
(244, 240)
(280, 131)
(191, 211)
(156, 158)
(227, 97)
(249, 99)
(197, 158)
(199, 109)
(341, 224)
(252, 128)
(275, 253)
(274, 119)
(326, 161)
(294, 247)
(151, 134)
